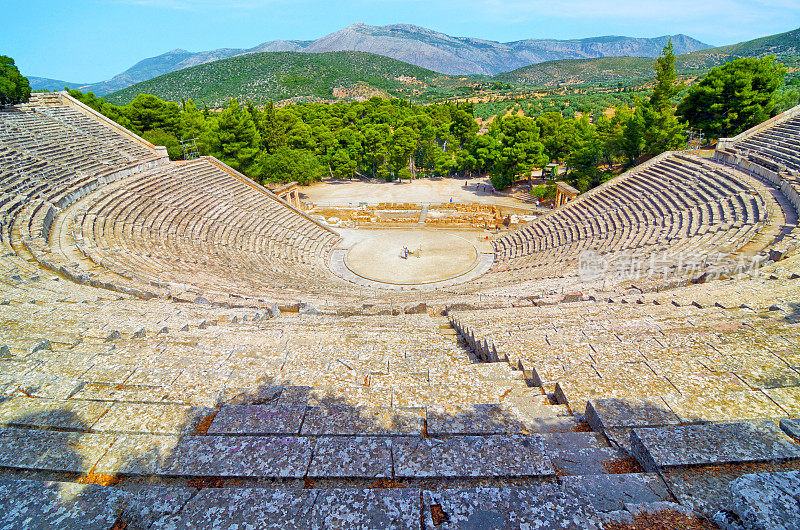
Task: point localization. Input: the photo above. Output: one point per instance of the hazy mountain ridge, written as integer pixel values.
(412, 44)
(786, 46)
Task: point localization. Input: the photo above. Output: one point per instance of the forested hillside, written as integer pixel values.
(262, 77)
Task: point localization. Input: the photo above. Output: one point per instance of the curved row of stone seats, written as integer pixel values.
(46, 165)
(678, 210)
(196, 223)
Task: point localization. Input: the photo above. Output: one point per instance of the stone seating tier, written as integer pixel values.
(119, 411)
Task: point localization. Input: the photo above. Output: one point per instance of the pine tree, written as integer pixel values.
(734, 97)
(662, 130)
(233, 138)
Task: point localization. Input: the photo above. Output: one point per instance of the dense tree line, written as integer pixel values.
(392, 139)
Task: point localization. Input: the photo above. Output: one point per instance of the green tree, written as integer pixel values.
(233, 138)
(168, 140)
(403, 143)
(288, 165)
(194, 125)
(376, 153)
(666, 79)
(610, 131)
(662, 130)
(14, 87)
(631, 143)
(342, 165)
(558, 135)
(147, 113)
(484, 151)
(519, 150)
(733, 97)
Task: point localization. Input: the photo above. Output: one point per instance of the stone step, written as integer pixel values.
(500, 371)
(102, 416)
(724, 443)
(275, 456)
(616, 417)
(592, 461)
(32, 504)
(333, 420)
(471, 456)
(543, 505)
(576, 502)
(520, 418)
(296, 509)
(609, 493)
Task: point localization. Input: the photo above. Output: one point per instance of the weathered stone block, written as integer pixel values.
(725, 443)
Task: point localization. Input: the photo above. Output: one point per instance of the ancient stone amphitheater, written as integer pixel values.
(177, 350)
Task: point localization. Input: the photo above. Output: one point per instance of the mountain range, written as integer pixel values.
(416, 45)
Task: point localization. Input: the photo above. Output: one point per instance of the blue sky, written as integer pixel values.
(92, 40)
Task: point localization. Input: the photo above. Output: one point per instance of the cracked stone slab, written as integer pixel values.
(34, 505)
(538, 506)
(611, 492)
(151, 418)
(106, 392)
(724, 406)
(240, 456)
(471, 456)
(689, 445)
(352, 456)
(585, 461)
(146, 505)
(706, 489)
(40, 385)
(372, 508)
(626, 518)
(137, 454)
(571, 440)
(609, 413)
(52, 450)
(69, 414)
(767, 500)
(260, 395)
(243, 508)
(345, 420)
(258, 419)
(787, 398)
(474, 419)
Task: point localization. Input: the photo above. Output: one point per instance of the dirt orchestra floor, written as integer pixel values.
(436, 255)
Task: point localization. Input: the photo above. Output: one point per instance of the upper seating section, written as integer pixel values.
(677, 207)
(775, 144)
(198, 224)
(53, 147)
(59, 130)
